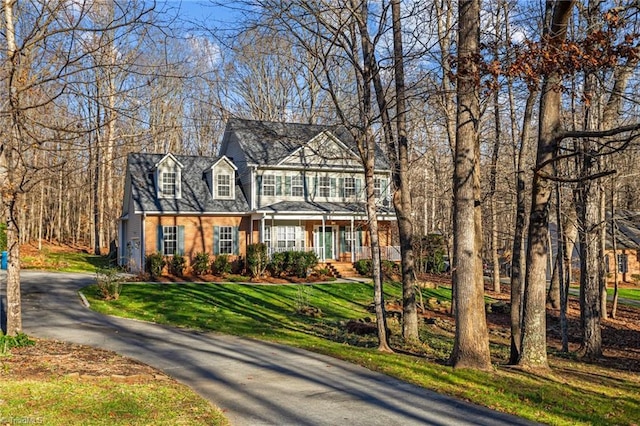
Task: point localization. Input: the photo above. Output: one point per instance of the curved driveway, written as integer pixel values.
(254, 383)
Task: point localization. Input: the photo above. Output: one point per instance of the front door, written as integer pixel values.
(325, 241)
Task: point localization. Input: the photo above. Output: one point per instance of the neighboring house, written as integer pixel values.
(291, 186)
(627, 256)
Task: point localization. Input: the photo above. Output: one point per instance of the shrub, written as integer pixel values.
(18, 341)
(301, 262)
(323, 271)
(257, 259)
(177, 265)
(221, 265)
(364, 267)
(154, 264)
(201, 263)
(390, 268)
(278, 263)
(109, 283)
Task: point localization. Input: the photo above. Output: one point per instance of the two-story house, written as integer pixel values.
(291, 186)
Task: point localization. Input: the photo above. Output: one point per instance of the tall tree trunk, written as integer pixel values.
(559, 271)
(588, 206)
(614, 247)
(366, 147)
(534, 345)
(400, 167)
(518, 265)
(495, 260)
(471, 344)
(402, 197)
(601, 251)
(9, 160)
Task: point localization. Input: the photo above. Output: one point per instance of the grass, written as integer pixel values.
(63, 261)
(77, 400)
(571, 394)
(626, 293)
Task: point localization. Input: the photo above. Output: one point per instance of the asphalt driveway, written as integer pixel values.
(255, 383)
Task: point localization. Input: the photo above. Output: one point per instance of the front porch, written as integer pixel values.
(330, 238)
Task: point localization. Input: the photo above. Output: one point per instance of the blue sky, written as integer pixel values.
(199, 10)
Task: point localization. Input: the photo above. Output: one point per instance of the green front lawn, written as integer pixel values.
(573, 393)
(626, 293)
(94, 401)
(63, 261)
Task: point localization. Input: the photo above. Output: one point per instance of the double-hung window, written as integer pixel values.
(348, 240)
(349, 187)
(266, 238)
(268, 185)
(286, 236)
(297, 186)
(324, 186)
(377, 187)
(169, 240)
(223, 185)
(623, 263)
(225, 240)
(168, 184)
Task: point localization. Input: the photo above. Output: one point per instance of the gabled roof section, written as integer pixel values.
(225, 159)
(323, 149)
(267, 143)
(169, 156)
(196, 195)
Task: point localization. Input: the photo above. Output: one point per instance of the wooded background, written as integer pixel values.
(88, 82)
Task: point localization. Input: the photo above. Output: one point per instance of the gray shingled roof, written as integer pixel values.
(313, 207)
(196, 194)
(267, 143)
(627, 232)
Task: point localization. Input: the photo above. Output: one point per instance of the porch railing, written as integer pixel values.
(272, 250)
(387, 252)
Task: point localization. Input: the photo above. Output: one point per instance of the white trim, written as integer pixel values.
(169, 155)
(225, 158)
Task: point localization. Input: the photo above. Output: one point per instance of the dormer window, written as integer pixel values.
(168, 183)
(223, 185)
(221, 179)
(168, 177)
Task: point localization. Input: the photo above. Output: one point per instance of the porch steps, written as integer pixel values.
(341, 269)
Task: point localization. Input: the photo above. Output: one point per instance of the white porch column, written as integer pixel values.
(353, 243)
(323, 241)
(261, 229)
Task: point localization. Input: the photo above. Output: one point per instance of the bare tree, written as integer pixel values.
(534, 346)
(471, 345)
(42, 58)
